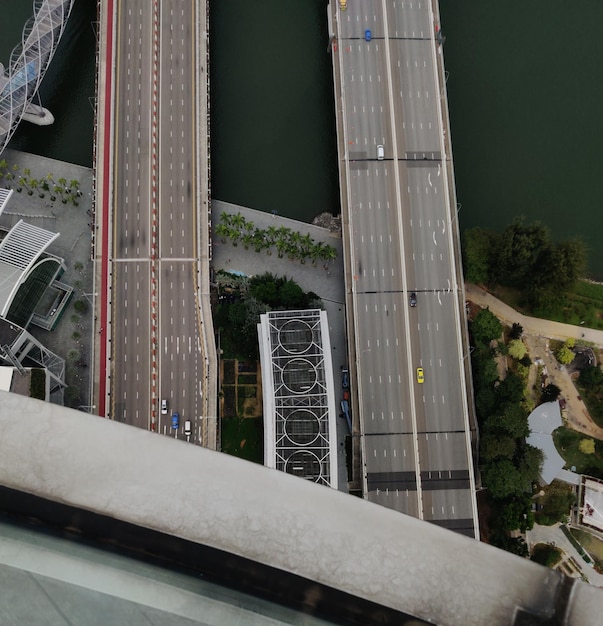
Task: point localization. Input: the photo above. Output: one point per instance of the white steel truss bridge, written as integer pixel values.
(28, 64)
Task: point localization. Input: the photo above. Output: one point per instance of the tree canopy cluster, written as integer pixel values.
(242, 301)
(508, 464)
(523, 256)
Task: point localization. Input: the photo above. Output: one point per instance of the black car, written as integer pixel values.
(413, 299)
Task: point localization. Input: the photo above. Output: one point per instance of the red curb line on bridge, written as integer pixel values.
(102, 389)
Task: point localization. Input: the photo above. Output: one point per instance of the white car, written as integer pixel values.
(164, 407)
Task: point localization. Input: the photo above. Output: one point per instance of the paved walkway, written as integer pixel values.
(536, 337)
(555, 536)
(533, 325)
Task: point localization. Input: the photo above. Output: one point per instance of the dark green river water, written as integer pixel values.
(525, 95)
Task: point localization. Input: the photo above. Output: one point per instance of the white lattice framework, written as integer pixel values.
(299, 410)
(29, 62)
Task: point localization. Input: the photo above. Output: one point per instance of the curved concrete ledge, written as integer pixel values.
(272, 518)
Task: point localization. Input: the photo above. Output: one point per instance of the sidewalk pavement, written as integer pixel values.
(533, 325)
(555, 536)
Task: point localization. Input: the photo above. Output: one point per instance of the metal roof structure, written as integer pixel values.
(29, 62)
(19, 251)
(298, 393)
(5, 195)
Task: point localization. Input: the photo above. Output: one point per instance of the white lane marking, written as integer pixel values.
(434, 238)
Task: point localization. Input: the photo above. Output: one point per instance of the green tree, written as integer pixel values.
(80, 306)
(564, 355)
(590, 377)
(550, 393)
(510, 390)
(546, 555)
(587, 446)
(517, 349)
(477, 247)
(266, 291)
(516, 331)
(503, 479)
(513, 421)
(494, 446)
(529, 463)
(291, 295)
(514, 545)
(556, 503)
(515, 513)
(486, 327)
(516, 259)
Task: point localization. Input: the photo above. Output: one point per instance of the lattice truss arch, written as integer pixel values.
(29, 62)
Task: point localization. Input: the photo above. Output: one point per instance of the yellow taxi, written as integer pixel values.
(420, 375)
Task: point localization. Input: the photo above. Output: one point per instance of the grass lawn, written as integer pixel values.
(590, 543)
(243, 437)
(567, 442)
(248, 379)
(584, 304)
(593, 399)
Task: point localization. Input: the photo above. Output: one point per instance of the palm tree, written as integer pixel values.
(225, 218)
(281, 246)
(284, 233)
(306, 242)
(259, 240)
(271, 234)
(222, 231)
(237, 221)
(316, 252)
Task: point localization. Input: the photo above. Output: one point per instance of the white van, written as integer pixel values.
(187, 428)
(380, 153)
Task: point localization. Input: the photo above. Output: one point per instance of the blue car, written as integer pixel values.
(175, 420)
(367, 35)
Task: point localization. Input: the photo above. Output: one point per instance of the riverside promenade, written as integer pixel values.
(531, 325)
(537, 332)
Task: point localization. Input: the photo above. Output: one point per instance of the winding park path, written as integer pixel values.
(531, 325)
(536, 332)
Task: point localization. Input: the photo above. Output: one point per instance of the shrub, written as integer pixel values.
(37, 384)
(80, 306)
